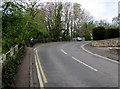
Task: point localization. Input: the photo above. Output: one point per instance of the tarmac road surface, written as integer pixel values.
(66, 64)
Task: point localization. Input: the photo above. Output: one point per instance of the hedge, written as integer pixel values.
(99, 33)
(112, 33)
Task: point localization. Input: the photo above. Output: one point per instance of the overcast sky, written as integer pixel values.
(99, 9)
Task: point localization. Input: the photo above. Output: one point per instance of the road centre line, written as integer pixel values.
(43, 75)
(80, 61)
(38, 73)
(82, 46)
(63, 51)
(84, 64)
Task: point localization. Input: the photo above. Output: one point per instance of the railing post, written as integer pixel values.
(12, 51)
(16, 48)
(3, 57)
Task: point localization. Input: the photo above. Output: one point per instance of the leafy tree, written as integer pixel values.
(86, 30)
(19, 25)
(57, 27)
(13, 21)
(66, 21)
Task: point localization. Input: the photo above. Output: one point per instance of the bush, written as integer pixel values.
(10, 67)
(112, 33)
(99, 33)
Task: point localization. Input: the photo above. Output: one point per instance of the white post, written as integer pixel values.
(16, 48)
(4, 57)
(11, 51)
(1, 61)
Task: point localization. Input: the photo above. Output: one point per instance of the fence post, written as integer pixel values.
(4, 57)
(16, 48)
(1, 72)
(1, 59)
(12, 51)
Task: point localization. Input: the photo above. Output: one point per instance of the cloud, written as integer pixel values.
(101, 9)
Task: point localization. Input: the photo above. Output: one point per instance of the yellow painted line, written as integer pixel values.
(82, 46)
(35, 49)
(38, 73)
(41, 69)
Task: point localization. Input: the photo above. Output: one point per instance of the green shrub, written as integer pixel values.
(10, 67)
(112, 33)
(99, 33)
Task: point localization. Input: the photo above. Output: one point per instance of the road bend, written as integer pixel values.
(66, 64)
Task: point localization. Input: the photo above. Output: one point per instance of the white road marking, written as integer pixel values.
(84, 64)
(97, 54)
(63, 51)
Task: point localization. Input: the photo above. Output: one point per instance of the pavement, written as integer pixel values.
(22, 75)
(102, 51)
(26, 75)
(66, 64)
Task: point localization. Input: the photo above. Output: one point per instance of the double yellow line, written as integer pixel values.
(41, 76)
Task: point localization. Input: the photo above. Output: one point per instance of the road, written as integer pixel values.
(66, 64)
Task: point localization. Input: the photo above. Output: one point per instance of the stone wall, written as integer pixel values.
(106, 43)
(114, 51)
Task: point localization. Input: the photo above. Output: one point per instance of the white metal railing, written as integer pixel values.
(11, 52)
